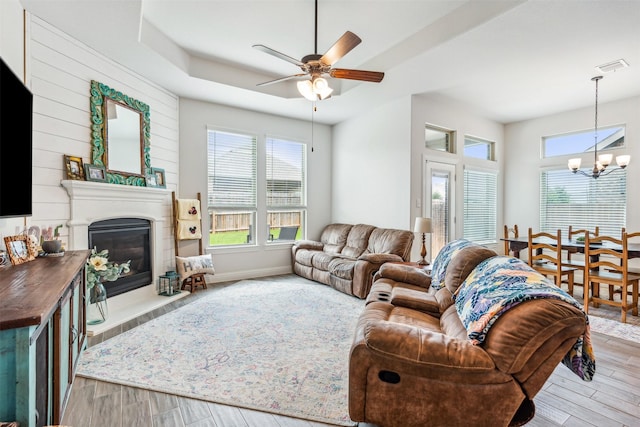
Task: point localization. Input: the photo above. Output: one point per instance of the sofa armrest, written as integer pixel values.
(380, 258)
(416, 300)
(406, 274)
(309, 244)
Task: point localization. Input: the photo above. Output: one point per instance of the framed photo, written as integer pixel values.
(19, 249)
(74, 167)
(95, 173)
(159, 174)
(151, 180)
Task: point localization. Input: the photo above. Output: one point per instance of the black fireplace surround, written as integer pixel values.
(125, 239)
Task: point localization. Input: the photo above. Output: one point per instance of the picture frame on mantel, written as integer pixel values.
(19, 249)
(160, 177)
(73, 167)
(151, 180)
(95, 173)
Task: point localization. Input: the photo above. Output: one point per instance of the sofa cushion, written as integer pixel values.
(439, 266)
(390, 241)
(305, 257)
(342, 268)
(357, 240)
(321, 260)
(334, 237)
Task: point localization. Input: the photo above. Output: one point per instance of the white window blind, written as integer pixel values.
(480, 205)
(285, 173)
(582, 202)
(232, 172)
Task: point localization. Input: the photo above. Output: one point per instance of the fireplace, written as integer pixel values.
(93, 203)
(126, 239)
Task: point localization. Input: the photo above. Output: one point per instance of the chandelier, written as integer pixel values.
(600, 162)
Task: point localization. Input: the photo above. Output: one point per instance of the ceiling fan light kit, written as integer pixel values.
(315, 66)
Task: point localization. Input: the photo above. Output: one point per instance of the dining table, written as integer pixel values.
(517, 244)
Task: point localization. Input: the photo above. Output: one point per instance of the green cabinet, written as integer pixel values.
(42, 334)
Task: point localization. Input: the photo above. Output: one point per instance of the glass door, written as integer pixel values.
(440, 194)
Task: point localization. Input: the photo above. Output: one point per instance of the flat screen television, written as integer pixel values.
(16, 118)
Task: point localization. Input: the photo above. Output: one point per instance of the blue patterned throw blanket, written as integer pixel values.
(501, 282)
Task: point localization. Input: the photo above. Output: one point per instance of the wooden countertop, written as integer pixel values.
(30, 292)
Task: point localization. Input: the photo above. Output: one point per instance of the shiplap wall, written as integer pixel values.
(60, 70)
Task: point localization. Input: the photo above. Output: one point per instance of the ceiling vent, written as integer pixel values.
(612, 66)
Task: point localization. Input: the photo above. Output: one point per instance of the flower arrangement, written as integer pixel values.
(100, 269)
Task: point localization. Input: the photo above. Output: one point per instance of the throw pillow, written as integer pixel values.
(188, 266)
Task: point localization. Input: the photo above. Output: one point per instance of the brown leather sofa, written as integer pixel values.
(347, 256)
(412, 363)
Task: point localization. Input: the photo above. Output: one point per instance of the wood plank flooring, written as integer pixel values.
(611, 399)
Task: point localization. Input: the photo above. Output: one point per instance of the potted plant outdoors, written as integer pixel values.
(99, 270)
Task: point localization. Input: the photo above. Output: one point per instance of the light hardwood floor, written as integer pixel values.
(611, 399)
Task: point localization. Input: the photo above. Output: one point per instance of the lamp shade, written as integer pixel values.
(422, 225)
(305, 87)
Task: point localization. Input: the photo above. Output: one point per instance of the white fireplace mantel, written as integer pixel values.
(96, 201)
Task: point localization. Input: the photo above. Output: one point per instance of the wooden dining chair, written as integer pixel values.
(545, 256)
(631, 238)
(578, 234)
(608, 264)
(573, 262)
(510, 232)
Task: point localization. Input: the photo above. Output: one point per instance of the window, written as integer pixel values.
(480, 205)
(439, 139)
(286, 189)
(583, 141)
(479, 148)
(232, 184)
(583, 202)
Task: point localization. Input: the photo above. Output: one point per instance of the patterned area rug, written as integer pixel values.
(237, 346)
(614, 328)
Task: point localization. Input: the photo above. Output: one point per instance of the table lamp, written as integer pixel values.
(422, 225)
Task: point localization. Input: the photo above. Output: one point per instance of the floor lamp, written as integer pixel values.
(422, 225)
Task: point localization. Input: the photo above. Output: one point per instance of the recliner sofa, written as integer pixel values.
(412, 362)
(347, 256)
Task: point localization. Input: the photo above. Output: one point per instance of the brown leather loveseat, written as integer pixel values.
(412, 362)
(347, 256)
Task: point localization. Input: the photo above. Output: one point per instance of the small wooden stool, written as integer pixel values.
(194, 280)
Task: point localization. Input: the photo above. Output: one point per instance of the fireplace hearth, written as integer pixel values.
(126, 239)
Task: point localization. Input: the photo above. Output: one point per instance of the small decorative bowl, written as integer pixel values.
(52, 246)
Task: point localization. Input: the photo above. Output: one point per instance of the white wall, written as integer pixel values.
(371, 177)
(260, 260)
(59, 71)
(451, 115)
(523, 159)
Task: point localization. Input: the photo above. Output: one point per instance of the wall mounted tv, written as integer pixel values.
(16, 116)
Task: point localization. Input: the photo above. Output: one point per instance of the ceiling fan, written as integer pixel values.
(315, 66)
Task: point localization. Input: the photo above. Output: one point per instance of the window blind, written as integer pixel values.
(480, 205)
(285, 173)
(582, 202)
(232, 172)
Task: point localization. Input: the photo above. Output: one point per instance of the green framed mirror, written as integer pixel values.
(120, 135)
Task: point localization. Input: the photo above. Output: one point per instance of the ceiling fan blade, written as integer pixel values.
(282, 79)
(366, 76)
(277, 54)
(340, 48)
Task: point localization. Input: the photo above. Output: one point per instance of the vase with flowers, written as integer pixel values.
(99, 270)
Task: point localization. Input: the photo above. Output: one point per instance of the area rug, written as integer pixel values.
(274, 346)
(614, 328)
